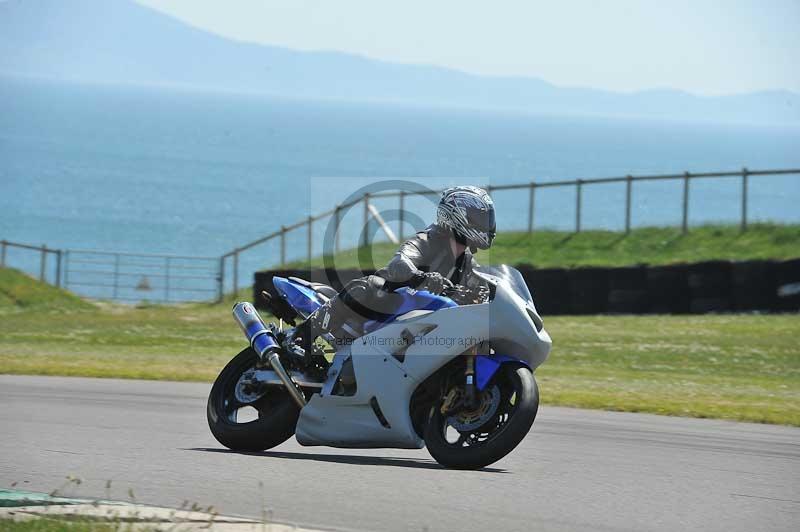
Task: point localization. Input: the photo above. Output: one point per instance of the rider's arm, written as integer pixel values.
(404, 266)
(409, 267)
(469, 279)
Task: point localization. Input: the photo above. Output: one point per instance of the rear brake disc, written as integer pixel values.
(248, 389)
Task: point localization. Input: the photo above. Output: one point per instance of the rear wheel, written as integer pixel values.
(246, 417)
(472, 439)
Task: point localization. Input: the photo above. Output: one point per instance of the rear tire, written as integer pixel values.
(277, 413)
(512, 422)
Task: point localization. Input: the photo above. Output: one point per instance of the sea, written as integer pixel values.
(188, 172)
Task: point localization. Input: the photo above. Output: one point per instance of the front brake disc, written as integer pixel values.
(470, 420)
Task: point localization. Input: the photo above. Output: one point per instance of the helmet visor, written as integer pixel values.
(482, 220)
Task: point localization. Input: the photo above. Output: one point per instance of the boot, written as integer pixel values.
(321, 321)
(347, 307)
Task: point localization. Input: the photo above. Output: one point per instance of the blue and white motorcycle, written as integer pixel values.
(452, 372)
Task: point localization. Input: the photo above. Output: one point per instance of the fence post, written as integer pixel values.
(310, 237)
(745, 173)
(685, 224)
(578, 194)
(221, 280)
(166, 279)
(58, 268)
(66, 269)
(628, 186)
(235, 270)
(402, 214)
(116, 276)
(43, 263)
(365, 241)
(283, 245)
(337, 220)
(531, 203)
(3, 246)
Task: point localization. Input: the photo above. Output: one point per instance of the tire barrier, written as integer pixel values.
(714, 286)
(548, 286)
(710, 287)
(627, 290)
(668, 289)
(588, 290)
(753, 285)
(787, 285)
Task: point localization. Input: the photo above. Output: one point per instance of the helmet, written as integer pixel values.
(469, 212)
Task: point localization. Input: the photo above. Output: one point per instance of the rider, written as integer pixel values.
(433, 260)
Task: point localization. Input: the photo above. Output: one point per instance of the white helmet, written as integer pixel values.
(469, 212)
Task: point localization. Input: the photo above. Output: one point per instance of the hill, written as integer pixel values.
(120, 41)
(18, 291)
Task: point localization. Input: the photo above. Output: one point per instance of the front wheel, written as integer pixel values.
(474, 439)
(246, 417)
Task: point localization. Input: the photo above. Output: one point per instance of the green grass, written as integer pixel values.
(744, 367)
(70, 336)
(650, 245)
(62, 525)
(17, 290)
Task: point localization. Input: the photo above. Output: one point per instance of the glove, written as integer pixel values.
(434, 283)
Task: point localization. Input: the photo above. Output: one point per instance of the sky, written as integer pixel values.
(707, 47)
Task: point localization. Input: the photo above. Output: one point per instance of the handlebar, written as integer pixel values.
(459, 293)
(463, 294)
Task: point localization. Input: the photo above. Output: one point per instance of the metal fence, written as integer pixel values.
(134, 277)
(33, 259)
(230, 262)
(174, 278)
(142, 276)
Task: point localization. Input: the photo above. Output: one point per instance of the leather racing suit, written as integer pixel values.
(372, 297)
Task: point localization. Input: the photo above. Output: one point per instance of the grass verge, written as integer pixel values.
(63, 525)
(649, 245)
(19, 292)
(742, 367)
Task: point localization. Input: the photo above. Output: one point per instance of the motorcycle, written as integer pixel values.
(451, 372)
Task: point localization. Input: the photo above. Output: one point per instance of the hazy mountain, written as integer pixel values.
(121, 41)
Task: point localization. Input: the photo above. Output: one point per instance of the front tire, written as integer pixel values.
(455, 446)
(277, 413)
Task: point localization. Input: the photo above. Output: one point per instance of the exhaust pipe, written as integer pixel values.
(264, 343)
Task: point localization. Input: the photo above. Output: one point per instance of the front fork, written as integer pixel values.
(470, 395)
(455, 401)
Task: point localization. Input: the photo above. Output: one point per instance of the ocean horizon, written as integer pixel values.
(198, 173)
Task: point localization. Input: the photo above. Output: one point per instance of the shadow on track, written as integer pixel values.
(344, 459)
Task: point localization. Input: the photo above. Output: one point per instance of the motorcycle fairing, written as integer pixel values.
(487, 365)
(412, 300)
(350, 421)
(301, 298)
(389, 382)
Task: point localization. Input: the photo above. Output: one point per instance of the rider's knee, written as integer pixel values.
(363, 293)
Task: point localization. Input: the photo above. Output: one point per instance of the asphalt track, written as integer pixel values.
(577, 470)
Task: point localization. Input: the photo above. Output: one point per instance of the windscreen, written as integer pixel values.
(512, 276)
